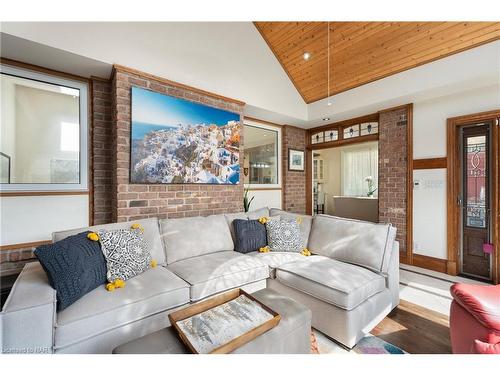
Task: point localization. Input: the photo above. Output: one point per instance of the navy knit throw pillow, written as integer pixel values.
(74, 267)
(250, 235)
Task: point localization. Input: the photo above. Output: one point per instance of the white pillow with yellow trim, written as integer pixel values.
(283, 235)
(126, 252)
(305, 222)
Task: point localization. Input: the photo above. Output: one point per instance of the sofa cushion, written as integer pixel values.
(358, 242)
(250, 235)
(283, 234)
(99, 311)
(74, 267)
(194, 236)
(214, 273)
(341, 284)
(151, 235)
(305, 223)
(127, 253)
(252, 215)
(274, 259)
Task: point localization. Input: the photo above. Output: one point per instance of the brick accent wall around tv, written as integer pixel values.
(294, 182)
(135, 201)
(392, 171)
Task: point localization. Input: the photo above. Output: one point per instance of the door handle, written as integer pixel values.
(459, 201)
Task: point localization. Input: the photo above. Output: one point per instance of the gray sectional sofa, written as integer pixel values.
(350, 283)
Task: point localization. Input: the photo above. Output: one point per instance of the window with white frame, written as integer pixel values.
(262, 154)
(360, 171)
(43, 132)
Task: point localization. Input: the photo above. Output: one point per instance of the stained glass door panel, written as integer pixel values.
(475, 200)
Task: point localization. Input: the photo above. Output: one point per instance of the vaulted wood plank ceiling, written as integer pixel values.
(362, 52)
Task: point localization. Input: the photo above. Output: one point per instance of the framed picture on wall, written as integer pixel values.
(176, 141)
(296, 160)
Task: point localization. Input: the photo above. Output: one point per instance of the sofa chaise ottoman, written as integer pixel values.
(350, 283)
(291, 336)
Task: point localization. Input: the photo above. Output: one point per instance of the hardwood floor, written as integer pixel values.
(415, 329)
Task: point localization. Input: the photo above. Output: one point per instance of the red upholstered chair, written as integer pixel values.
(475, 319)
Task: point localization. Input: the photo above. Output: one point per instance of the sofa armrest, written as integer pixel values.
(393, 274)
(29, 314)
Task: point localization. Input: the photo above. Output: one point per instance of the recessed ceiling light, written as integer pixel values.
(326, 118)
(306, 56)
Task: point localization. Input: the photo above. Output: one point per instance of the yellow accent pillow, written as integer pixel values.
(305, 252)
(265, 249)
(154, 263)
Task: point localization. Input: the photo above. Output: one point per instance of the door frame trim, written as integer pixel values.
(453, 187)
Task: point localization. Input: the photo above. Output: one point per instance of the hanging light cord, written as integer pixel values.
(328, 51)
(328, 62)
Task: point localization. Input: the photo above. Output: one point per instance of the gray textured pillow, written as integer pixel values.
(126, 252)
(284, 235)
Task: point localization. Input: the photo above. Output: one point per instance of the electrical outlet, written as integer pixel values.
(415, 245)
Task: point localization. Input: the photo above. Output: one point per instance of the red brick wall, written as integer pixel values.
(294, 182)
(392, 172)
(102, 151)
(13, 261)
(134, 201)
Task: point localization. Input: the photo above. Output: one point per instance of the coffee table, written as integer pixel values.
(290, 336)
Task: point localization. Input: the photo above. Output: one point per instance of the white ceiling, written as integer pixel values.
(232, 59)
(227, 58)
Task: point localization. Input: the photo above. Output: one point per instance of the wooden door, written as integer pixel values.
(475, 200)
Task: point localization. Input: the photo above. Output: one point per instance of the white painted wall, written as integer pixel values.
(429, 213)
(429, 141)
(429, 117)
(265, 198)
(227, 58)
(29, 219)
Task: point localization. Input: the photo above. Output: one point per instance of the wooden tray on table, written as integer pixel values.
(223, 323)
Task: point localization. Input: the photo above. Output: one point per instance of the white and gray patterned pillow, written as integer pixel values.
(284, 235)
(126, 252)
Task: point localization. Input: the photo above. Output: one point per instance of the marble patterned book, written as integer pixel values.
(213, 328)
